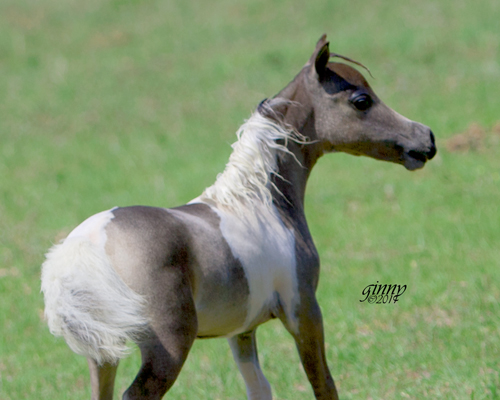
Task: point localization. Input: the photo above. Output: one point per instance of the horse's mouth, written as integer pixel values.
(413, 160)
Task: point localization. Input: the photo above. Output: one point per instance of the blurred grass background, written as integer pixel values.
(120, 102)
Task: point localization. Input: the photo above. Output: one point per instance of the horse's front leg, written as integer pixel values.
(309, 338)
(244, 348)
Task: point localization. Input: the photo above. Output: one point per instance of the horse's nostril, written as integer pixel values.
(432, 152)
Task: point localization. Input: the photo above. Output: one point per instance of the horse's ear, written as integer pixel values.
(321, 56)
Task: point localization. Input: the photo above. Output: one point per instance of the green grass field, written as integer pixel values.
(118, 102)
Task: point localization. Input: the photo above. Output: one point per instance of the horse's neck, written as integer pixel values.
(298, 113)
(293, 171)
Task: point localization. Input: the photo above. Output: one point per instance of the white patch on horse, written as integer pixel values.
(266, 250)
(94, 228)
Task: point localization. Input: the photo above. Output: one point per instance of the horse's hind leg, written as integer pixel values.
(244, 348)
(162, 360)
(164, 349)
(102, 379)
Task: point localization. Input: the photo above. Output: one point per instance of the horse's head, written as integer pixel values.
(344, 114)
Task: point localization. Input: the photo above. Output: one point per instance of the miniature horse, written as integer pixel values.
(231, 259)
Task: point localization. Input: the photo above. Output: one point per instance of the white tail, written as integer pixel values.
(87, 303)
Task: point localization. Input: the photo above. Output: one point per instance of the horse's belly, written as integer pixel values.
(220, 320)
(221, 300)
(224, 311)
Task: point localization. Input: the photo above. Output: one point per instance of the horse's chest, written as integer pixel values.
(265, 249)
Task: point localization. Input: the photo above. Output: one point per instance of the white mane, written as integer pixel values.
(246, 180)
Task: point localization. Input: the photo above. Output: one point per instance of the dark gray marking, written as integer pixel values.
(187, 238)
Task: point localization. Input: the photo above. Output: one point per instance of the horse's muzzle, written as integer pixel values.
(415, 159)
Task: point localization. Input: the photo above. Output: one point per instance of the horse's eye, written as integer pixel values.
(362, 102)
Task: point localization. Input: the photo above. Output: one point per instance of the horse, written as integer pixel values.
(233, 258)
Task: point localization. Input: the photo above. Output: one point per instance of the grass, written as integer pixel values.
(117, 102)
